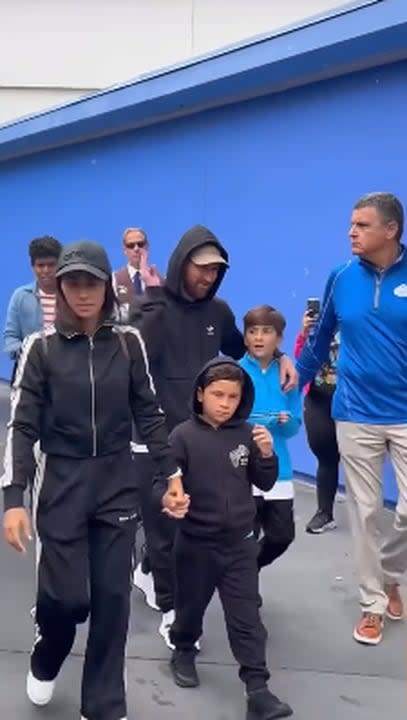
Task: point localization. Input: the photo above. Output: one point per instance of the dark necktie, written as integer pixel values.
(138, 289)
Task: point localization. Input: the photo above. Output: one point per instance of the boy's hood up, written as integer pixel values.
(246, 404)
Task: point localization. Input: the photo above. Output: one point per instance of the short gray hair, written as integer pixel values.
(388, 207)
(135, 229)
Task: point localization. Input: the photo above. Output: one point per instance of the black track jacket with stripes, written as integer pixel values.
(78, 396)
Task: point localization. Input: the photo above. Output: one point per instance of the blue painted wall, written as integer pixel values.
(275, 178)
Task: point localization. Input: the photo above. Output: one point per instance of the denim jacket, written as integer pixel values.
(24, 316)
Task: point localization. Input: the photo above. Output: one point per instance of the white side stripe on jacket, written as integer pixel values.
(7, 477)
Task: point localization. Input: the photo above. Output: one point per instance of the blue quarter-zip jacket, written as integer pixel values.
(369, 307)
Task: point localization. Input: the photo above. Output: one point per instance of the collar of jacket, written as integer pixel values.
(69, 334)
(256, 363)
(373, 268)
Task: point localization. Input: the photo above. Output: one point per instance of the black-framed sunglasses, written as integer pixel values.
(139, 244)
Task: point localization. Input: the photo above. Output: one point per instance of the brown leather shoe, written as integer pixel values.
(395, 608)
(369, 629)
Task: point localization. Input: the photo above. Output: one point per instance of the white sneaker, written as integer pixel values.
(165, 627)
(39, 692)
(145, 583)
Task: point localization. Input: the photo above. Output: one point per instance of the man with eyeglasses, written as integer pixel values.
(131, 280)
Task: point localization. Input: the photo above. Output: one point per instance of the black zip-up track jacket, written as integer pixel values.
(78, 396)
(219, 467)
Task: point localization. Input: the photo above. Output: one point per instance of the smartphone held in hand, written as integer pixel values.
(313, 307)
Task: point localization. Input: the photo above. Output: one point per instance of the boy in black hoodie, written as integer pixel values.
(221, 456)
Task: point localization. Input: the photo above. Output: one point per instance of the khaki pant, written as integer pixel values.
(363, 449)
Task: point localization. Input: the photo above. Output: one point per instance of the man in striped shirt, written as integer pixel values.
(32, 307)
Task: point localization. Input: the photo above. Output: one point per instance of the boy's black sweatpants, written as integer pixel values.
(85, 511)
(276, 519)
(201, 567)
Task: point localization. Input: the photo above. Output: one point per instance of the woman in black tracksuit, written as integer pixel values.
(77, 388)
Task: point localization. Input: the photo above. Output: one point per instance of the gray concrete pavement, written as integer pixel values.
(310, 605)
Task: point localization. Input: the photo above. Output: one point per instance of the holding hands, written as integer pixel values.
(175, 502)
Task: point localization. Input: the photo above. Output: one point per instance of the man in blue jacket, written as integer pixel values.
(366, 299)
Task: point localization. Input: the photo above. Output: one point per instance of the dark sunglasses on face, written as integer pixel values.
(140, 244)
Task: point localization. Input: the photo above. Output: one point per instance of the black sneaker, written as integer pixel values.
(320, 522)
(183, 668)
(263, 705)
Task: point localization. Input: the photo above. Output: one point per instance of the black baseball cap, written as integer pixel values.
(84, 256)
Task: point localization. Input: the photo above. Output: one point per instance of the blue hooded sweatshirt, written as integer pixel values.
(369, 308)
(269, 401)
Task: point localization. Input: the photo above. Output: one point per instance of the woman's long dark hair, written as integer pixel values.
(68, 322)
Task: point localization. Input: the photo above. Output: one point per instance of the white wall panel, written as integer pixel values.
(52, 51)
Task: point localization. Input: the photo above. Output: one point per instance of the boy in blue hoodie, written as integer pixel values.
(281, 413)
